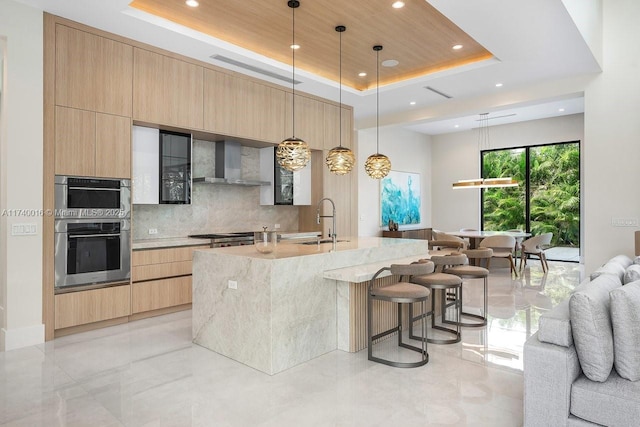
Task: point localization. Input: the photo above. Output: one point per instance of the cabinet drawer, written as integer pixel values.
(163, 293)
(157, 271)
(79, 308)
(160, 256)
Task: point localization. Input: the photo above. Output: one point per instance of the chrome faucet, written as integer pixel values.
(334, 236)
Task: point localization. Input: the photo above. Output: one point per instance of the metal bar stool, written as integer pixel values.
(449, 286)
(473, 272)
(400, 293)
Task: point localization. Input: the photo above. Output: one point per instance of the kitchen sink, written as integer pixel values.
(315, 242)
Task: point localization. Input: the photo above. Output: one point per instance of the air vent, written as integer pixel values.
(254, 69)
(438, 92)
(498, 117)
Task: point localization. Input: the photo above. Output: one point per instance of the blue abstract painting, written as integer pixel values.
(400, 198)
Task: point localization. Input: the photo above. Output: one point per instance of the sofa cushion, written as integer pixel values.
(591, 326)
(609, 268)
(636, 260)
(625, 319)
(623, 260)
(554, 326)
(615, 402)
(632, 273)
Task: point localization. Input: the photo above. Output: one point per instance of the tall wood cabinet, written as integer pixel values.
(309, 120)
(92, 72)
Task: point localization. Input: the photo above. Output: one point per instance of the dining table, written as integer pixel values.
(476, 236)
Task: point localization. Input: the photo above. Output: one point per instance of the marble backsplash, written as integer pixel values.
(214, 208)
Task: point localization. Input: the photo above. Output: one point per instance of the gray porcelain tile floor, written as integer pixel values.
(148, 373)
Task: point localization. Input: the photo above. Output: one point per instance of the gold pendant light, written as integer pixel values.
(484, 144)
(340, 160)
(293, 153)
(377, 165)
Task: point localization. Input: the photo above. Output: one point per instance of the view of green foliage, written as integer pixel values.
(554, 178)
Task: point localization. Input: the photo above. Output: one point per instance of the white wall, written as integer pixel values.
(409, 152)
(612, 132)
(21, 175)
(456, 156)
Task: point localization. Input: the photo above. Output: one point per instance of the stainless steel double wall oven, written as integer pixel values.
(92, 232)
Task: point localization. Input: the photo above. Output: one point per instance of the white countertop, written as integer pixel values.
(169, 242)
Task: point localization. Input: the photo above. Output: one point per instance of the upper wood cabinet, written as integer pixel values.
(92, 144)
(244, 108)
(167, 91)
(92, 72)
(309, 117)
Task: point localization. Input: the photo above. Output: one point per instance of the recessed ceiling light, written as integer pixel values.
(498, 84)
(456, 126)
(397, 4)
(412, 103)
(561, 109)
(390, 63)
(295, 46)
(192, 3)
(457, 47)
(363, 74)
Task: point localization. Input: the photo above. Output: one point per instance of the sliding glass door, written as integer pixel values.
(547, 199)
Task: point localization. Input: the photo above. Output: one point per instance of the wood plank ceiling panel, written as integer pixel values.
(418, 36)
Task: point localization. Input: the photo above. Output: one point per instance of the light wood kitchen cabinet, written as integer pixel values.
(75, 142)
(243, 108)
(92, 144)
(167, 90)
(92, 72)
(309, 120)
(80, 308)
(161, 278)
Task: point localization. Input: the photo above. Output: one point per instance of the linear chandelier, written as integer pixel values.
(484, 143)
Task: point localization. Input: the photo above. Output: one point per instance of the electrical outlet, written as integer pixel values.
(233, 284)
(277, 226)
(153, 231)
(24, 229)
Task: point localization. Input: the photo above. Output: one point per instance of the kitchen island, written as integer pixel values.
(284, 309)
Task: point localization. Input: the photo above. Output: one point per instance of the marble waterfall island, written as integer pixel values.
(284, 311)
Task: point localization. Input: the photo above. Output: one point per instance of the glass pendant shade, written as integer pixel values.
(377, 166)
(293, 154)
(340, 160)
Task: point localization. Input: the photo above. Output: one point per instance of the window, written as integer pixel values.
(547, 199)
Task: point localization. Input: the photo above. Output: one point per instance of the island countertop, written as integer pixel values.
(286, 249)
(274, 311)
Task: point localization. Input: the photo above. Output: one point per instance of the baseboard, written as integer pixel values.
(12, 339)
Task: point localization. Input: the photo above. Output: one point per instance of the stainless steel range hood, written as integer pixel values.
(229, 167)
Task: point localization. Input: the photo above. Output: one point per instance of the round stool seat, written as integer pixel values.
(401, 292)
(468, 271)
(440, 280)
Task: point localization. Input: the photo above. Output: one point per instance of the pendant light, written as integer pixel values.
(484, 144)
(340, 160)
(293, 153)
(377, 165)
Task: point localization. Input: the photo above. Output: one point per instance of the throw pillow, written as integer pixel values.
(632, 273)
(625, 318)
(609, 268)
(591, 328)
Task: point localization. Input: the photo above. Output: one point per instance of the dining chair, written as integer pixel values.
(441, 240)
(502, 248)
(536, 246)
(516, 247)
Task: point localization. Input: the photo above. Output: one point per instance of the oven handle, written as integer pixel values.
(94, 188)
(77, 236)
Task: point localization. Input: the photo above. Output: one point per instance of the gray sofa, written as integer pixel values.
(582, 367)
